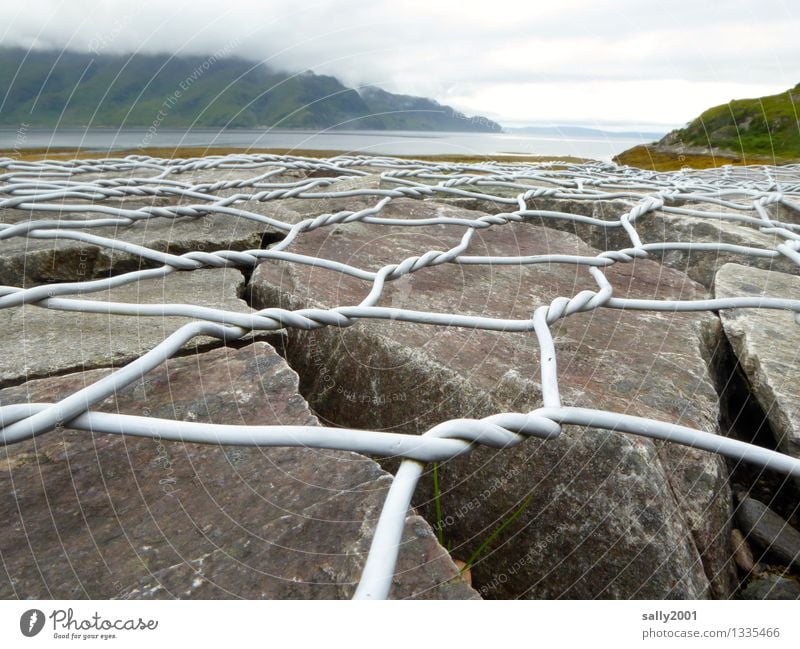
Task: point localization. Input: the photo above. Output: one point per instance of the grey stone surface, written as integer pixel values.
(105, 516)
(742, 553)
(659, 227)
(28, 261)
(612, 515)
(767, 344)
(770, 586)
(312, 207)
(769, 531)
(47, 341)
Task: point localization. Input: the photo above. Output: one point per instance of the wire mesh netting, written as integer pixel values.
(67, 200)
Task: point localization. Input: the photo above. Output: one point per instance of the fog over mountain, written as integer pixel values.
(61, 89)
(575, 61)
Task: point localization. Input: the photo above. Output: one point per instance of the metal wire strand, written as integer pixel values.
(88, 194)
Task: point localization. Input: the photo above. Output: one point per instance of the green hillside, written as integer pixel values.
(68, 89)
(765, 126)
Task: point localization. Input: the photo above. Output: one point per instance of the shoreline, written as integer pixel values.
(62, 153)
(649, 157)
(667, 158)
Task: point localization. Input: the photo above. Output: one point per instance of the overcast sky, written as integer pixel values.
(563, 61)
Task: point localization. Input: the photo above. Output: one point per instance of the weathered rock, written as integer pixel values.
(770, 586)
(612, 515)
(657, 227)
(30, 261)
(104, 516)
(254, 171)
(313, 207)
(27, 261)
(741, 552)
(767, 344)
(769, 531)
(48, 342)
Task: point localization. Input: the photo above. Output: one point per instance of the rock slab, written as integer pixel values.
(660, 226)
(766, 343)
(611, 515)
(771, 586)
(105, 516)
(52, 342)
(769, 531)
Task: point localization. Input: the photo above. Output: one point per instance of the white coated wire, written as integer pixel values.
(738, 195)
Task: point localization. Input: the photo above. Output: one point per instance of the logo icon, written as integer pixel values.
(31, 622)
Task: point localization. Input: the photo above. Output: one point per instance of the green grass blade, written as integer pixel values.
(490, 539)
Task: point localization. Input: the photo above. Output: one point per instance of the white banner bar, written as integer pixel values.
(375, 625)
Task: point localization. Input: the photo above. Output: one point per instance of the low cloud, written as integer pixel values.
(578, 60)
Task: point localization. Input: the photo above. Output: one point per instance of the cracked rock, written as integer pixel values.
(766, 343)
(50, 341)
(105, 516)
(612, 515)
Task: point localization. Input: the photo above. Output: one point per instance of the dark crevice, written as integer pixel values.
(268, 238)
(275, 339)
(73, 263)
(333, 409)
(742, 417)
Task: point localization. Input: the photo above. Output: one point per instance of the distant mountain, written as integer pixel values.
(765, 126)
(581, 131)
(48, 89)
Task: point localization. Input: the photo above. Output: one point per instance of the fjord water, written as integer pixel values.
(356, 142)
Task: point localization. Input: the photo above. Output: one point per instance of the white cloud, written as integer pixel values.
(581, 60)
(669, 101)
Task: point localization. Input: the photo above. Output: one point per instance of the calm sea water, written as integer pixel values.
(362, 142)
